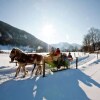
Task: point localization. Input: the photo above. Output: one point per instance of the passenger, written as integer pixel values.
(57, 52)
(70, 56)
(65, 57)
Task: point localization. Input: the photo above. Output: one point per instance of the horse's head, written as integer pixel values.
(15, 52)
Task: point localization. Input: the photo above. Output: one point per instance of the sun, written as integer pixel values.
(48, 32)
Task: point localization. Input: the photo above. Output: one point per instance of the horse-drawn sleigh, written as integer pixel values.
(39, 61)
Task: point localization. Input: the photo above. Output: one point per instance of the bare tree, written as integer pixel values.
(92, 33)
(97, 39)
(91, 41)
(87, 43)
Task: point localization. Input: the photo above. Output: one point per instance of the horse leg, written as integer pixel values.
(40, 69)
(24, 70)
(33, 68)
(17, 71)
(37, 70)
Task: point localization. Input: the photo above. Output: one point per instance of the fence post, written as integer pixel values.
(76, 62)
(44, 69)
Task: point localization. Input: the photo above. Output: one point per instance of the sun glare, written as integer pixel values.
(48, 32)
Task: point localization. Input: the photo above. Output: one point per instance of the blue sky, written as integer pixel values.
(52, 21)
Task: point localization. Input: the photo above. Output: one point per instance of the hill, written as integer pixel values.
(10, 35)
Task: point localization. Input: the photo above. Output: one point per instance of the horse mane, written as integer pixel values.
(18, 50)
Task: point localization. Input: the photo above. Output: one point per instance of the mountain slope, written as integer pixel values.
(10, 35)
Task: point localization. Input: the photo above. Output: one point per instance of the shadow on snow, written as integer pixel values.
(59, 86)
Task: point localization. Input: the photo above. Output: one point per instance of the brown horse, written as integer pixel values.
(26, 59)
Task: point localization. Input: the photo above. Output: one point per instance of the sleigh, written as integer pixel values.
(57, 63)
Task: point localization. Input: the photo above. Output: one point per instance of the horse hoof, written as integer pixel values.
(23, 76)
(36, 74)
(15, 75)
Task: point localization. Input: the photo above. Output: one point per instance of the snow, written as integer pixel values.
(72, 84)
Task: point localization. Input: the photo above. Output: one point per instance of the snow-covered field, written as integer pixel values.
(72, 84)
